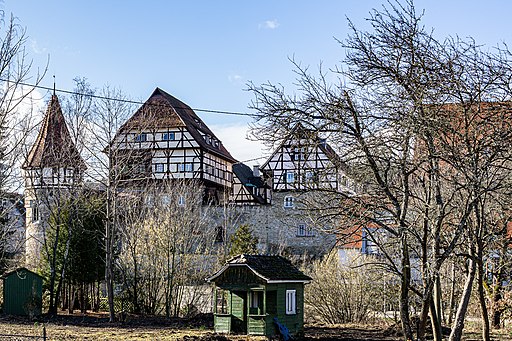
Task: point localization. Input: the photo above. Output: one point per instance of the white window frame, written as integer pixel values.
(254, 299)
(289, 201)
(290, 177)
(304, 230)
(142, 137)
(159, 168)
(185, 167)
(291, 302)
(168, 136)
(298, 153)
(181, 200)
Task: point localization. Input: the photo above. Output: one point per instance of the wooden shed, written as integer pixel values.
(255, 294)
(22, 292)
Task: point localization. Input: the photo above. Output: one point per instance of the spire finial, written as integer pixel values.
(53, 85)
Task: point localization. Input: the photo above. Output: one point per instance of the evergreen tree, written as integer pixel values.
(243, 241)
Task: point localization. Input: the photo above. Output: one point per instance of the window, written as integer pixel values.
(181, 200)
(219, 234)
(159, 168)
(303, 230)
(222, 301)
(143, 137)
(140, 168)
(288, 202)
(298, 153)
(291, 303)
(168, 136)
(290, 177)
(185, 167)
(255, 299)
(35, 210)
(311, 176)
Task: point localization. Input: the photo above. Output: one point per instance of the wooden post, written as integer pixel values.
(44, 333)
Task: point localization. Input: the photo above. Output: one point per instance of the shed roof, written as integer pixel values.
(272, 269)
(54, 146)
(18, 271)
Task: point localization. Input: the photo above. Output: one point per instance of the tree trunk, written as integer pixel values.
(404, 292)
(452, 294)
(458, 324)
(109, 273)
(437, 331)
(481, 297)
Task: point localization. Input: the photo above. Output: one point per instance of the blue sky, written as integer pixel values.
(204, 52)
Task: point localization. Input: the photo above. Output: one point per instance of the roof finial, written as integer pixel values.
(53, 85)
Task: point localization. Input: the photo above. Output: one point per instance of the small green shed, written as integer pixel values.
(253, 292)
(22, 292)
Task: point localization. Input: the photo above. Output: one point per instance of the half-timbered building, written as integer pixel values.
(165, 139)
(304, 161)
(250, 186)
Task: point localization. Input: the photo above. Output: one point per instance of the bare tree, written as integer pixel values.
(396, 118)
(16, 108)
(168, 238)
(107, 165)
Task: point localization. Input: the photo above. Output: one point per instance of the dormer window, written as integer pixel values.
(142, 137)
(208, 139)
(215, 143)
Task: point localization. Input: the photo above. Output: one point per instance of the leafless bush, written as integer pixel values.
(344, 294)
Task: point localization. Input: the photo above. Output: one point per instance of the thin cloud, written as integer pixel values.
(235, 79)
(36, 48)
(269, 25)
(234, 138)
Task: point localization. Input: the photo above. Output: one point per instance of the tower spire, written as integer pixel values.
(53, 85)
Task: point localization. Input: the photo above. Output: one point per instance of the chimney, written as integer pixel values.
(256, 171)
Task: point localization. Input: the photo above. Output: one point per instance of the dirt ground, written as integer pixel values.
(97, 327)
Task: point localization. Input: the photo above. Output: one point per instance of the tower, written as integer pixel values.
(52, 167)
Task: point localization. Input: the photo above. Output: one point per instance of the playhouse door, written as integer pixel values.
(239, 312)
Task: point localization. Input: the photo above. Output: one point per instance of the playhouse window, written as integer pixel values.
(291, 303)
(222, 302)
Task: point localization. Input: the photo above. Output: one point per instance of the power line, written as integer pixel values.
(69, 92)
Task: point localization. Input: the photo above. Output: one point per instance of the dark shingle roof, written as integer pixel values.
(246, 176)
(162, 110)
(269, 268)
(53, 146)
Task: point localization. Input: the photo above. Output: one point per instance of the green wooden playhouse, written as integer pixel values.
(22, 292)
(252, 293)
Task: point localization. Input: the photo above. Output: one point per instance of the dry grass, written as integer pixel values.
(94, 327)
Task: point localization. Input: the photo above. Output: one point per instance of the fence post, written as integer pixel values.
(44, 333)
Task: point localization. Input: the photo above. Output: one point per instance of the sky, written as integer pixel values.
(205, 52)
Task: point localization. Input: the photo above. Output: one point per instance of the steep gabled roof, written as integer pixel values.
(53, 146)
(271, 269)
(162, 111)
(298, 132)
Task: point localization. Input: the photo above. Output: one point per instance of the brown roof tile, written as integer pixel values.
(162, 111)
(53, 146)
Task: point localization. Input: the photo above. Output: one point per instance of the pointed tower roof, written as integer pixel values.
(54, 146)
